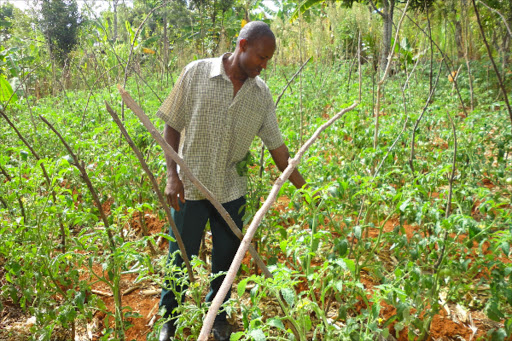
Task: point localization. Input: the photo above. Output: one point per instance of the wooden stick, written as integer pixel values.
(137, 110)
(151, 177)
(500, 81)
(244, 245)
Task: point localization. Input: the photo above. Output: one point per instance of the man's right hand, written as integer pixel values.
(174, 191)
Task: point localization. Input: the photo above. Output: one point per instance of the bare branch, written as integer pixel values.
(251, 230)
(411, 157)
(151, 177)
(137, 110)
(445, 59)
(501, 15)
(291, 80)
(500, 81)
(450, 193)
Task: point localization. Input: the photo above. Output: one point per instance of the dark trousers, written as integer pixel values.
(191, 220)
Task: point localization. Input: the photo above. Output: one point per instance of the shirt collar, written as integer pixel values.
(218, 70)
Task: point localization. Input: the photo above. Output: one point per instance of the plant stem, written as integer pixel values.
(427, 103)
(87, 180)
(161, 198)
(489, 52)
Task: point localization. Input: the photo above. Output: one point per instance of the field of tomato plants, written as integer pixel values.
(410, 239)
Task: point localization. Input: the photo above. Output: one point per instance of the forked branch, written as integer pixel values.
(258, 217)
(137, 110)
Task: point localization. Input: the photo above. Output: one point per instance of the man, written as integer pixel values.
(213, 113)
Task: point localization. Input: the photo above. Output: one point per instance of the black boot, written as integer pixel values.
(167, 332)
(222, 330)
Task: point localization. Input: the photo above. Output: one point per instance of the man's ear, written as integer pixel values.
(243, 44)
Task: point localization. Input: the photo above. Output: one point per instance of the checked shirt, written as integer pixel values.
(216, 129)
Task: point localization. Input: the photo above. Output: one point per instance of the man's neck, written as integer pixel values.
(233, 70)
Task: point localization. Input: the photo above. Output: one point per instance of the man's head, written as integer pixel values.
(255, 45)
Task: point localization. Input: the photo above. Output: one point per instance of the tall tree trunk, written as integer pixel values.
(387, 16)
(114, 38)
(458, 30)
(165, 42)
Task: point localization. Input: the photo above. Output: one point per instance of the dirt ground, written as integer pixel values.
(452, 323)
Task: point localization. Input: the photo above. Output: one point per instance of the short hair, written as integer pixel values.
(255, 30)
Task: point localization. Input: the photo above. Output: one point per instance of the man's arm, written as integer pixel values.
(280, 155)
(174, 189)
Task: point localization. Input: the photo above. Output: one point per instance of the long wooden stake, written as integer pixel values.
(144, 165)
(246, 242)
(137, 110)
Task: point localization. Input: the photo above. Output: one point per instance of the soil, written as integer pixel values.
(143, 299)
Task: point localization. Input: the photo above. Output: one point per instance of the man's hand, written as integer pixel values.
(174, 191)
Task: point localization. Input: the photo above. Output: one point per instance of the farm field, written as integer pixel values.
(404, 232)
(366, 255)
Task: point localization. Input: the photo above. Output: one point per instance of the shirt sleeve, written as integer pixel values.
(173, 110)
(269, 131)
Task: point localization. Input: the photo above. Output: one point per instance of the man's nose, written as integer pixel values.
(264, 64)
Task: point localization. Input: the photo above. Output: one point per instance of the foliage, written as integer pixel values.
(6, 17)
(60, 22)
(360, 263)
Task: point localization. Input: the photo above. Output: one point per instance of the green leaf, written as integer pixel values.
(132, 33)
(305, 6)
(276, 322)
(236, 336)
(404, 205)
(289, 296)
(241, 287)
(357, 231)
(6, 92)
(493, 311)
(498, 335)
(258, 335)
(505, 246)
(350, 265)
(24, 155)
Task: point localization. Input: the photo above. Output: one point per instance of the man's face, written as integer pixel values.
(256, 54)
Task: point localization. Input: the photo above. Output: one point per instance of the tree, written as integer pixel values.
(60, 22)
(384, 8)
(6, 17)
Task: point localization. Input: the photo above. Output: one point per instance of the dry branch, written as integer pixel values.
(131, 289)
(500, 81)
(101, 293)
(445, 59)
(151, 177)
(290, 81)
(384, 76)
(258, 217)
(450, 192)
(432, 91)
(46, 176)
(137, 110)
